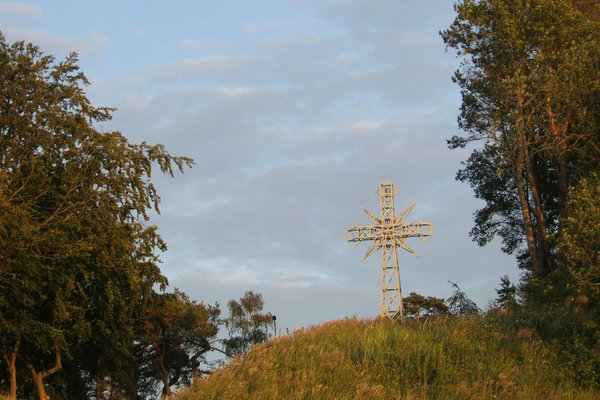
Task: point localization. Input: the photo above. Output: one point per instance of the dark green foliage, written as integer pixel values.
(174, 338)
(460, 304)
(558, 320)
(580, 240)
(420, 307)
(493, 183)
(580, 299)
(507, 294)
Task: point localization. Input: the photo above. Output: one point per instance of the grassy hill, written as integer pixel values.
(367, 359)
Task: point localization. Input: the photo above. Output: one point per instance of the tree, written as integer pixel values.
(507, 294)
(78, 260)
(246, 324)
(459, 303)
(417, 306)
(530, 87)
(175, 336)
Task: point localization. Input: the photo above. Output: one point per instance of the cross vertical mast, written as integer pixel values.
(391, 290)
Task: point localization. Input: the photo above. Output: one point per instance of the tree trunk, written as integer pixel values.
(528, 225)
(11, 360)
(563, 188)
(99, 385)
(164, 374)
(166, 390)
(560, 135)
(38, 377)
(521, 165)
(543, 247)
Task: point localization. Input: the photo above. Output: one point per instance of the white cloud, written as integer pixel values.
(216, 68)
(16, 13)
(195, 44)
(58, 45)
(235, 91)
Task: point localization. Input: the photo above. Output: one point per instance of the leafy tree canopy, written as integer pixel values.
(175, 336)
(247, 324)
(418, 306)
(580, 240)
(78, 260)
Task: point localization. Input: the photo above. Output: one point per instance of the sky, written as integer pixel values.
(294, 111)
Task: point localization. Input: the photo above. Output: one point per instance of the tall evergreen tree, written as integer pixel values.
(507, 294)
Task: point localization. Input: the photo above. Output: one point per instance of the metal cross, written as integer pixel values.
(389, 232)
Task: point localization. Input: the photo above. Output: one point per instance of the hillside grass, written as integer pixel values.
(381, 359)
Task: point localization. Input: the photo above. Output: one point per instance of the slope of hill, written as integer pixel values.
(366, 359)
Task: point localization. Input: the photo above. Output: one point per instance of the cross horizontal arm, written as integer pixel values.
(357, 234)
(422, 229)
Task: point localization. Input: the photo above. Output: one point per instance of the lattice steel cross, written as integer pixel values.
(388, 233)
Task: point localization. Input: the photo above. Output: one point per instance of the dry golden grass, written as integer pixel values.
(380, 359)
